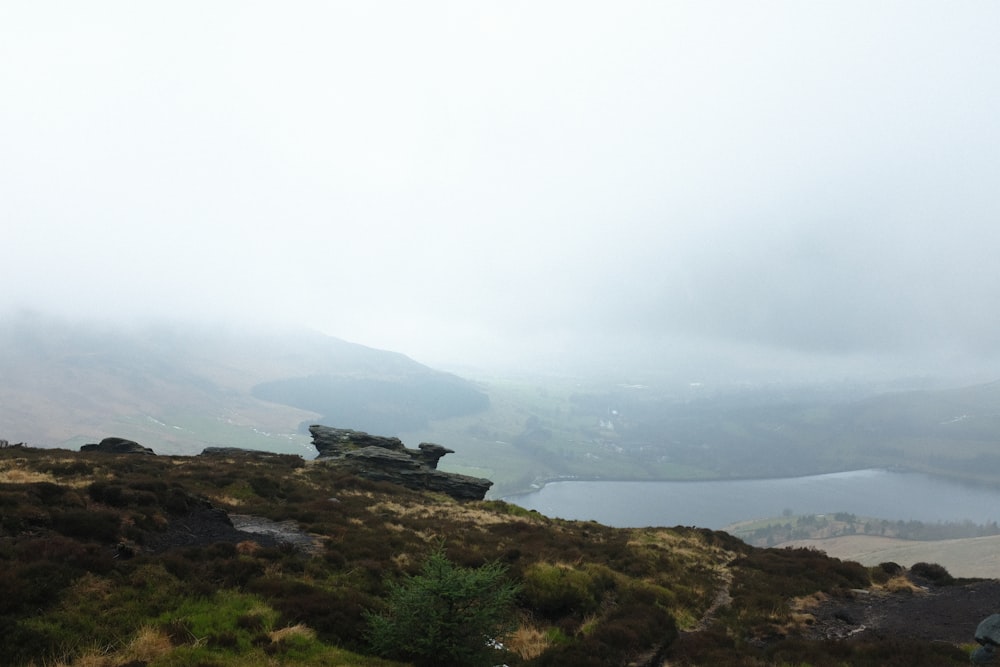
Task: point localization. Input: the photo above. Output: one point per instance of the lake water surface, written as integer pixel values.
(881, 494)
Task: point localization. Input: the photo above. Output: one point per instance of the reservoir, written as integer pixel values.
(880, 494)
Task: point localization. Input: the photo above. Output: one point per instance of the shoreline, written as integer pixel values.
(971, 480)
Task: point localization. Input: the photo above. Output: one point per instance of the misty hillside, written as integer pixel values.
(178, 390)
(380, 404)
(775, 431)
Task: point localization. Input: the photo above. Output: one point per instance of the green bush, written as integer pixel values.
(446, 616)
(555, 590)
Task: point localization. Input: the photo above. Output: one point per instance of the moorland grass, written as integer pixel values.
(87, 576)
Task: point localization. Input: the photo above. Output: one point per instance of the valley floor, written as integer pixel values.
(976, 557)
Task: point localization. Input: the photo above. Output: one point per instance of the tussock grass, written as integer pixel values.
(15, 475)
(903, 584)
(146, 646)
(297, 630)
(530, 641)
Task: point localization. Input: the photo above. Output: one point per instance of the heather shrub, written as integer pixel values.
(883, 572)
(633, 625)
(795, 572)
(932, 572)
(108, 493)
(336, 615)
(47, 492)
(615, 639)
(70, 468)
(96, 525)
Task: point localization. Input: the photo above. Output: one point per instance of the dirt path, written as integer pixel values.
(722, 598)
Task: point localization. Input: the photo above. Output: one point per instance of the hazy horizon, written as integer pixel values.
(726, 190)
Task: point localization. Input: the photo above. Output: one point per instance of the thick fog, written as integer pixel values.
(766, 188)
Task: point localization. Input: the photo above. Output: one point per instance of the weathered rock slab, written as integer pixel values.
(334, 442)
(386, 459)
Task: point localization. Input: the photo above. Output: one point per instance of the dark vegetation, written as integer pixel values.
(378, 405)
(92, 567)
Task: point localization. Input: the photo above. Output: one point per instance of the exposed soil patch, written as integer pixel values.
(946, 613)
(284, 532)
(208, 525)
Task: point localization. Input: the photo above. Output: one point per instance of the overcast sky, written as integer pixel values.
(773, 184)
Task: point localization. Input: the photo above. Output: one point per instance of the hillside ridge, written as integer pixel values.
(87, 557)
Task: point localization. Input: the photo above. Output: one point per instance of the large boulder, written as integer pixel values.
(386, 459)
(988, 631)
(117, 446)
(988, 635)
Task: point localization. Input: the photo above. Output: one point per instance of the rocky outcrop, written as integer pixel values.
(117, 446)
(386, 459)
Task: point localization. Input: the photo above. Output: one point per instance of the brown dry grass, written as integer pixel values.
(17, 471)
(801, 615)
(12, 475)
(528, 641)
(298, 630)
(147, 645)
(902, 584)
(247, 547)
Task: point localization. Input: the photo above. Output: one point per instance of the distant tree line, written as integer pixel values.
(818, 526)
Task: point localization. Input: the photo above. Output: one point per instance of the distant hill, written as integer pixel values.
(789, 431)
(179, 390)
(378, 404)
